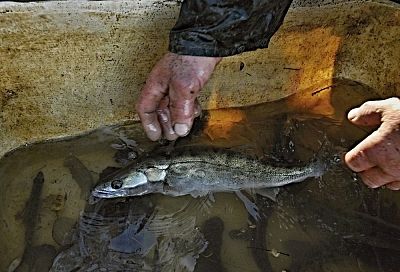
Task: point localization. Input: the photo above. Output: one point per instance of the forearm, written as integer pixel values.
(226, 27)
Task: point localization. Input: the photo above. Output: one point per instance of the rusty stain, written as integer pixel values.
(321, 90)
(101, 56)
(75, 66)
(221, 122)
(289, 68)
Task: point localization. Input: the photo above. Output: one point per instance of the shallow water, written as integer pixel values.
(333, 223)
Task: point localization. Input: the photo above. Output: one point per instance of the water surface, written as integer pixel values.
(333, 223)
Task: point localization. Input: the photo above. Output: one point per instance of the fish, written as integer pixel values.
(133, 235)
(199, 172)
(258, 235)
(34, 258)
(80, 174)
(210, 259)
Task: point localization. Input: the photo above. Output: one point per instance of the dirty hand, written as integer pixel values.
(168, 103)
(377, 157)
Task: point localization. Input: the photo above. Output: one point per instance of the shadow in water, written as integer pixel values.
(332, 223)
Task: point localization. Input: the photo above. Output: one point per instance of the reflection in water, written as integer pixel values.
(133, 235)
(333, 223)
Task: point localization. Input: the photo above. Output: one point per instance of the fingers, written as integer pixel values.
(368, 114)
(358, 158)
(163, 115)
(395, 185)
(150, 97)
(377, 157)
(183, 105)
(164, 118)
(165, 121)
(376, 177)
(179, 78)
(372, 113)
(381, 148)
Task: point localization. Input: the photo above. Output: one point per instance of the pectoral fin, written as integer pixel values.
(250, 206)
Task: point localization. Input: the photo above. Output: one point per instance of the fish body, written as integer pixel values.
(80, 174)
(30, 218)
(198, 173)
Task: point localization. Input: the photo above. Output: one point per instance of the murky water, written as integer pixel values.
(329, 224)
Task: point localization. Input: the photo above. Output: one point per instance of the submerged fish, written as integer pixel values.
(200, 172)
(34, 258)
(80, 174)
(133, 235)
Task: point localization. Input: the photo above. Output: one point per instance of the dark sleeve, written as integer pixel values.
(218, 28)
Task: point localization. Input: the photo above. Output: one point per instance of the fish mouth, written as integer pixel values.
(104, 194)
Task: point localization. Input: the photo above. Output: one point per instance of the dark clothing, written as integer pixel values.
(218, 28)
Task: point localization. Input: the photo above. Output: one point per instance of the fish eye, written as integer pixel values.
(116, 184)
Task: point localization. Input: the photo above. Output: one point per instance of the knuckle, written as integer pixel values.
(139, 107)
(392, 170)
(372, 180)
(370, 183)
(393, 100)
(369, 105)
(186, 86)
(180, 115)
(163, 116)
(357, 161)
(394, 185)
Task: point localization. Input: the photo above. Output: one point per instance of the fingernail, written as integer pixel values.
(163, 116)
(181, 129)
(153, 132)
(353, 114)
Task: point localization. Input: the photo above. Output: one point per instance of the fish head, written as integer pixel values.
(119, 186)
(133, 182)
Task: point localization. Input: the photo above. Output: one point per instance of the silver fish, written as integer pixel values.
(199, 173)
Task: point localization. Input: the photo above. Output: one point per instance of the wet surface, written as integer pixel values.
(333, 223)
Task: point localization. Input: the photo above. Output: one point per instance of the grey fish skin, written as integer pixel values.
(30, 217)
(80, 174)
(198, 173)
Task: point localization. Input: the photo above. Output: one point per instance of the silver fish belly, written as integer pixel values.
(199, 173)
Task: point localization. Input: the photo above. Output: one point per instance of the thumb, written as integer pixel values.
(368, 114)
(182, 115)
(182, 109)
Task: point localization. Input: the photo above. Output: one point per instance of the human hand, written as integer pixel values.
(377, 157)
(168, 103)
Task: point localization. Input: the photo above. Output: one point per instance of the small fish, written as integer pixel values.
(29, 218)
(80, 174)
(133, 235)
(200, 172)
(210, 259)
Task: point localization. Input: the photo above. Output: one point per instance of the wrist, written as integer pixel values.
(214, 60)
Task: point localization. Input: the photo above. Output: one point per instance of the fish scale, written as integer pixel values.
(198, 172)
